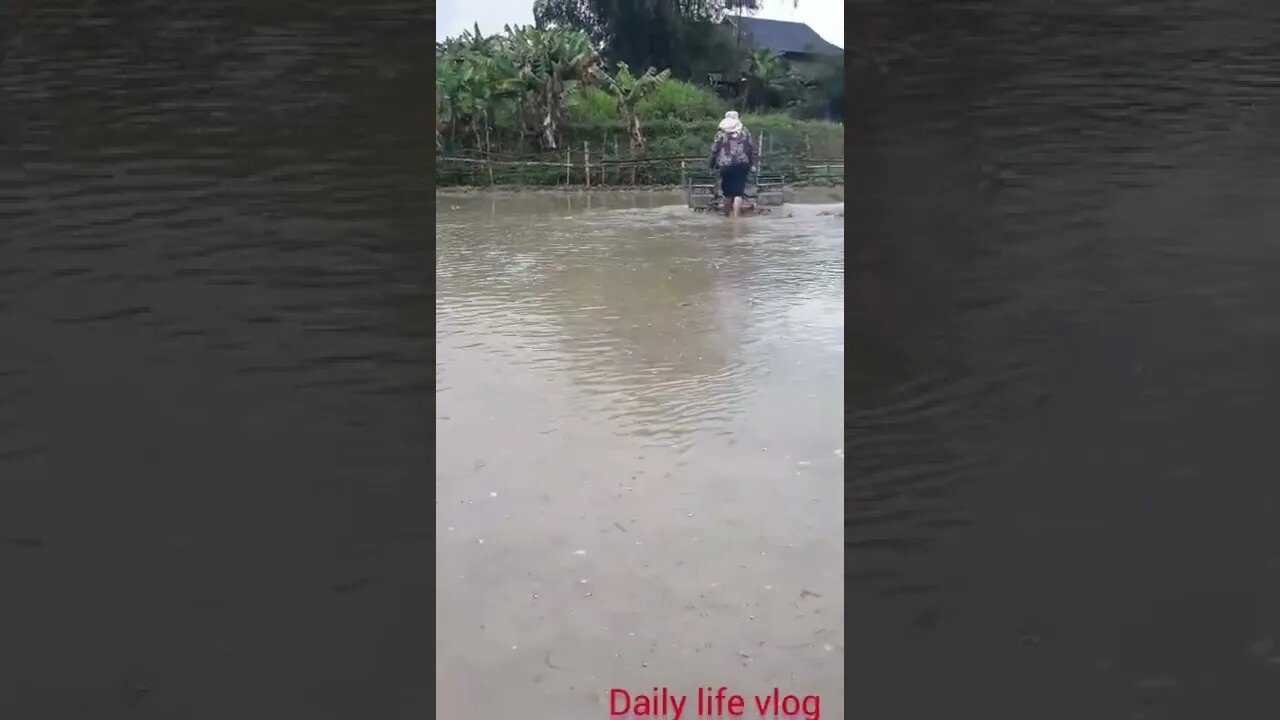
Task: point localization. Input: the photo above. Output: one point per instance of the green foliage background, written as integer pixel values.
(496, 93)
(679, 120)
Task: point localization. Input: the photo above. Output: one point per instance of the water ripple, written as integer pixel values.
(668, 319)
(215, 312)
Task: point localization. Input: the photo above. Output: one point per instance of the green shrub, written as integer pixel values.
(679, 100)
(672, 100)
(590, 107)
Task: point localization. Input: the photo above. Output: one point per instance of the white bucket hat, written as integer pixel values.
(731, 123)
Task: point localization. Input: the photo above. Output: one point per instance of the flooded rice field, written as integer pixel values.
(640, 466)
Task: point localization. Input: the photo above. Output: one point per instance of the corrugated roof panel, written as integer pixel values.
(783, 37)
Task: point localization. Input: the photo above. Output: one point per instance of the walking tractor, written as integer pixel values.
(764, 192)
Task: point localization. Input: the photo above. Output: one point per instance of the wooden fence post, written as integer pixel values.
(760, 160)
(568, 167)
(488, 154)
(586, 161)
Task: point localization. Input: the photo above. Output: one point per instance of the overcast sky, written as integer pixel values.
(826, 17)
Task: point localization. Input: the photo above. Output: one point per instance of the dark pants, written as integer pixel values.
(733, 180)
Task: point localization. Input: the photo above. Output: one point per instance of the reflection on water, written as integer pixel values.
(1062, 500)
(639, 428)
(648, 307)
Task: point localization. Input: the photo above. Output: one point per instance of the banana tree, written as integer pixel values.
(455, 92)
(767, 73)
(627, 91)
(526, 73)
(550, 64)
(446, 91)
(474, 81)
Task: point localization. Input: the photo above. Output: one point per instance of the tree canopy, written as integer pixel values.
(675, 34)
(525, 72)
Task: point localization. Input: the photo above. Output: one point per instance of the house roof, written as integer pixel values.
(782, 36)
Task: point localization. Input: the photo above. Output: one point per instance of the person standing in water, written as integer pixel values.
(733, 153)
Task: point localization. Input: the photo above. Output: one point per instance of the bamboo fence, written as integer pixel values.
(589, 167)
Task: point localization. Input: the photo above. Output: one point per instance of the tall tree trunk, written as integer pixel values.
(548, 119)
(548, 133)
(552, 98)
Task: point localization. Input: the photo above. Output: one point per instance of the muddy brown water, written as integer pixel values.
(639, 476)
(1063, 323)
(215, 351)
